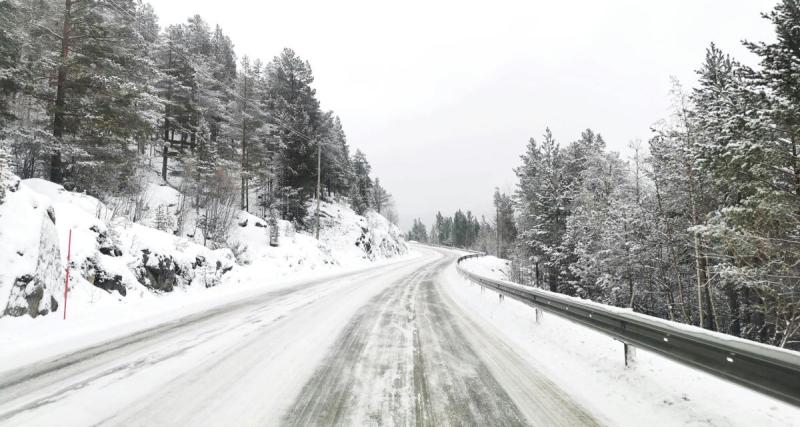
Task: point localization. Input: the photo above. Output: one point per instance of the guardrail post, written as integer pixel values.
(630, 355)
(539, 313)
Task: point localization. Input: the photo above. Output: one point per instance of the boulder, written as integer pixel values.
(158, 272)
(32, 292)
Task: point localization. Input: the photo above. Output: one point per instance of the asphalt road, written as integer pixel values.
(386, 346)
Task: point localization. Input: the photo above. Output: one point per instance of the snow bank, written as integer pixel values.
(589, 366)
(117, 261)
(489, 266)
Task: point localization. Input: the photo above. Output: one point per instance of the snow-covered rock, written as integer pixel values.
(346, 240)
(112, 255)
(30, 260)
(351, 236)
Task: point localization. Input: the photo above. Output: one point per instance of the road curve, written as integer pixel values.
(386, 346)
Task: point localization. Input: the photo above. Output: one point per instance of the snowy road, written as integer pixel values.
(387, 346)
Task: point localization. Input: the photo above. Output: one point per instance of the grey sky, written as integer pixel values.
(442, 96)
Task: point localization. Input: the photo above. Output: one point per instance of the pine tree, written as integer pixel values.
(362, 184)
(296, 117)
(418, 232)
(506, 225)
(163, 220)
(543, 197)
(10, 52)
(101, 88)
(380, 197)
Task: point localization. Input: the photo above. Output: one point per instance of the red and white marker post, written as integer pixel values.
(66, 285)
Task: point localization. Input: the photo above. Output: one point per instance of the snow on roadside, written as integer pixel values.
(125, 275)
(25, 340)
(489, 266)
(589, 366)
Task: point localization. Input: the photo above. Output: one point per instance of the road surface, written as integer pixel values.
(385, 346)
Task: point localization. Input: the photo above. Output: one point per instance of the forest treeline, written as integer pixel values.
(463, 230)
(91, 89)
(700, 224)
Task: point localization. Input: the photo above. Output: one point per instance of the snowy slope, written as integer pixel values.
(116, 261)
(354, 237)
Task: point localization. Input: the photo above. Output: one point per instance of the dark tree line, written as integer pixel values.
(701, 224)
(91, 89)
(462, 230)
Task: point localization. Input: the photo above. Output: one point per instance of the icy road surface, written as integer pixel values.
(387, 346)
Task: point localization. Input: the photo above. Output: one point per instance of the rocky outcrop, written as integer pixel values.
(105, 245)
(100, 278)
(33, 292)
(163, 273)
(158, 272)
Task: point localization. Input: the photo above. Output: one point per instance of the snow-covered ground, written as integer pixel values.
(127, 275)
(240, 360)
(489, 266)
(589, 366)
(402, 342)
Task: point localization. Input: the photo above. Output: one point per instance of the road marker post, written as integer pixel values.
(630, 355)
(66, 284)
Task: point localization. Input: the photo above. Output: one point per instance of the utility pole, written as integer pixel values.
(497, 210)
(319, 181)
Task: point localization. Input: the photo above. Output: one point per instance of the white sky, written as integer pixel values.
(442, 96)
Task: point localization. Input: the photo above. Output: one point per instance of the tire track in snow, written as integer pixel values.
(35, 387)
(403, 360)
(338, 385)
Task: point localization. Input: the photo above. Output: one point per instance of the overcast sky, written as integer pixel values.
(442, 96)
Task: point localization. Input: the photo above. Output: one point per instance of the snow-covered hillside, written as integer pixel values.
(117, 261)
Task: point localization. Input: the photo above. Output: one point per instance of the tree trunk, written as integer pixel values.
(56, 165)
(795, 167)
(164, 156)
(631, 290)
(710, 314)
(735, 327)
(701, 268)
(245, 201)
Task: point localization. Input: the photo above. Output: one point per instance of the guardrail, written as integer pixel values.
(769, 370)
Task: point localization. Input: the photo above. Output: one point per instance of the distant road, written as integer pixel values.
(387, 346)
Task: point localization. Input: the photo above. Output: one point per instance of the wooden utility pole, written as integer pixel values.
(497, 210)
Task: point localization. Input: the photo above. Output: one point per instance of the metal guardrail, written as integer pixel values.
(769, 370)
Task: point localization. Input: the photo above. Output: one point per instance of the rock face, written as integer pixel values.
(378, 238)
(158, 272)
(100, 278)
(33, 292)
(105, 244)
